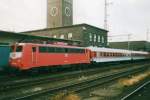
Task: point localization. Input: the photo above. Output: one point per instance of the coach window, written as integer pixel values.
(117, 54)
(114, 54)
(102, 54)
(99, 54)
(110, 54)
(107, 54)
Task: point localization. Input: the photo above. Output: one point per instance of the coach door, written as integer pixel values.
(34, 55)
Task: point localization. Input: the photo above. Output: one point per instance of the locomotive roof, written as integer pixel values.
(54, 45)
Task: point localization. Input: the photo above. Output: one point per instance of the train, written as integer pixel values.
(113, 55)
(26, 56)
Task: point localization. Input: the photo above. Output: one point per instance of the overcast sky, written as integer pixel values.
(125, 16)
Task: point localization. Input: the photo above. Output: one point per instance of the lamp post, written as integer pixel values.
(129, 36)
(107, 4)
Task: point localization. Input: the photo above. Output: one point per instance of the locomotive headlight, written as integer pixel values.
(12, 55)
(15, 55)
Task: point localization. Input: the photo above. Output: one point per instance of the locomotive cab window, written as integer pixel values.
(12, 48)
(19, 49)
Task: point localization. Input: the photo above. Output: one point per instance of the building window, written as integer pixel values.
(54, 36)
(69, 35)
(99, 38)
(84, 28)
(103, 41)
(90, 36)
(62, 36)
(94, 37)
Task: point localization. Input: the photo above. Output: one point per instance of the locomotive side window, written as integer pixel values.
(81, 51)
(72, 50)
(42, 49)
(59, 50)
(19, 49)
(51, 49)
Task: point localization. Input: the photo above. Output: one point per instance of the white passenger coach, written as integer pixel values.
(113, 55)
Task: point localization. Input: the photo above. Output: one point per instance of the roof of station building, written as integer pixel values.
(71, 26)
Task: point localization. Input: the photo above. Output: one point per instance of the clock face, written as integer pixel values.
(54, 11)
(67, 11)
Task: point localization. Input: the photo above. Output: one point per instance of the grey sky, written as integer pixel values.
(125, 16)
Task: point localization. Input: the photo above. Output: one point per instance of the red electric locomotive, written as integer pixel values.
(29, 55)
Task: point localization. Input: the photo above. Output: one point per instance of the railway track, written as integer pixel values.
(34, 81)
(83, 86)
(135, 92)
(77, 86)
(10, 80)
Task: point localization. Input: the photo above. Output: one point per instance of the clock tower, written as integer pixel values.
(59, 13)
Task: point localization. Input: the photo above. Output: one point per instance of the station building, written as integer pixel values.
(88, 35)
